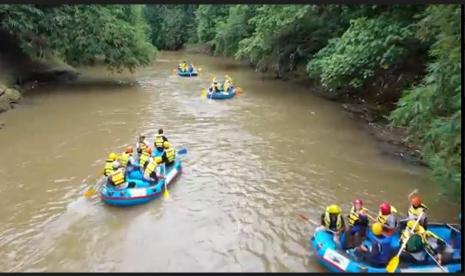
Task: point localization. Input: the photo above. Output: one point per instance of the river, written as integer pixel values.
(253, 163)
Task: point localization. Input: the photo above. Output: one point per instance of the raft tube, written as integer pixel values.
(222, 95)
(142, 192)
(193, 73)
(337, 260)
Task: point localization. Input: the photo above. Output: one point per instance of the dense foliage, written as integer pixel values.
(432, 110)
(81, 34)
(171, 25)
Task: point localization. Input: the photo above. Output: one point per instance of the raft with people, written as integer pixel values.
(335, 259)
(133, 178)
(221, 90)
(389, 244)
(138, 190)
(187, 70)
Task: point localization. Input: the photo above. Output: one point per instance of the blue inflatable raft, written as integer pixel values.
(222, 95)
(142, 191)
(188, 73)
(337, 260)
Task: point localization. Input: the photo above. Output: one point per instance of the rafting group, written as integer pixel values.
(361, 247)
(149, 163)
(186, 69)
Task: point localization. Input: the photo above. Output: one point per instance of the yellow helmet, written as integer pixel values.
(158, 159)
(112, 156)
(166, 144)
(333, 209)
(377, 228)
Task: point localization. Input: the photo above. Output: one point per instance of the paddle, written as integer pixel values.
(93, 189)
(394, 262)
(308, 220)
(436, 261)
(166, 194)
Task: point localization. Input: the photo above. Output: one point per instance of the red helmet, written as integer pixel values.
(415, 201)
(385, 208)
(358, 201)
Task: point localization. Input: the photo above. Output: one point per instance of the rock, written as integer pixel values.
(4, 104)
(13, 95)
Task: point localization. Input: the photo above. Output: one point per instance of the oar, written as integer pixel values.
(394, 262)
(166, 194)
(204, 94)
(436, 261)
(308, 220)
(93, 189)
(239, 91)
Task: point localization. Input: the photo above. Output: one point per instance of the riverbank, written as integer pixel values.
(370, 109)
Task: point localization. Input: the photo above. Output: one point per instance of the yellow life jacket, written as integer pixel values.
(353, 215)
(144, 157)
(383, 218)
(143, 146)
(124, 158)
(108, 167)
(416, 212)
(117, 178)
(424, 234)
(150, 168)
(170, 154)
(327, 221)
(159, 141)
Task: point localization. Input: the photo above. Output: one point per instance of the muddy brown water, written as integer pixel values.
(253, 163)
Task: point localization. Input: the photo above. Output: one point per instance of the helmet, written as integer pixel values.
(166, 144)
(116, 165)
(333, 209)
(157, 159)
(415, 201)
(385, 208)
(112, 156)
(129, 149)
(358, 201)
(377, 228)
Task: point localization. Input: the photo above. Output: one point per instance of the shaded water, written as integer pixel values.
(254, 162)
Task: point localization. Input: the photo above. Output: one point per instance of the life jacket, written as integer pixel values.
(117, 178)
(354, 215)
(383, 247)
(143, 159)
(384, 218)
(151, 168)
(108, 167)
(143, 146)
(329, 225)
(414, 213)
(215, 87)
(124, 158)
(159, 141)
(170, 154)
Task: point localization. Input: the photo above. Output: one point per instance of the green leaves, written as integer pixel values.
(431, 112)
(81, 33)
(367, 45)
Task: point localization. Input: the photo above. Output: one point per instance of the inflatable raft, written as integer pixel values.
(337, 260)
(188, 73)
(222, 95)
(137, 190)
